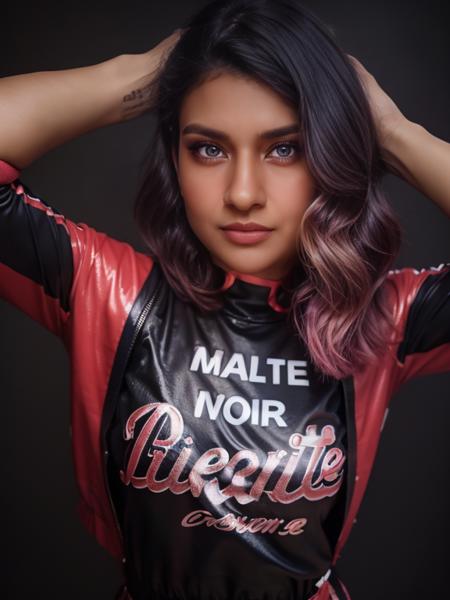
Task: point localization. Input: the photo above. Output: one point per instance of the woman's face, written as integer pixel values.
(234, 168)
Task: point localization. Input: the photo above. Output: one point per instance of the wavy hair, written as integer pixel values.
(349, 235)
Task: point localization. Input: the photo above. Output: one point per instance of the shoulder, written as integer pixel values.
(403, 285)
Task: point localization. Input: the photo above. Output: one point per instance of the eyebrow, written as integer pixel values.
(220, 135)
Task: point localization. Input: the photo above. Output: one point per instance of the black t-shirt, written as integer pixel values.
(65, 275)
(229, 454)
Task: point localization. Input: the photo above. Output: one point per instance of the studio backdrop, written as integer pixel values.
(403, 526)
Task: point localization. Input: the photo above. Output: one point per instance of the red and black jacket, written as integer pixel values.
(96, 294)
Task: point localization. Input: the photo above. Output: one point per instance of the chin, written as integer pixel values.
(255, 268)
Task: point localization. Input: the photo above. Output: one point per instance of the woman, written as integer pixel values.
(238, 374)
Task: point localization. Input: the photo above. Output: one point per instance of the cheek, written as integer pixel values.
(295, 192)
(194, 179)
(299, 182)
(195, 214)
(202, 192)
(197, 203)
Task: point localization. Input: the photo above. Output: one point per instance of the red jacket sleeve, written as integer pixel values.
(45, 258)
(80, 284)
(423, 302)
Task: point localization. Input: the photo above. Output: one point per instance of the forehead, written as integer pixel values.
(233, 102)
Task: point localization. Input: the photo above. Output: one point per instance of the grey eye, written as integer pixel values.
(284, 150)
(215, 150)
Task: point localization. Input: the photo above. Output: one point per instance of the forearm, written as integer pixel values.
(42, 110)
(421, 159)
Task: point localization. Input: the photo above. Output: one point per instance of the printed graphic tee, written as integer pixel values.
(209, 404)
(229, 452)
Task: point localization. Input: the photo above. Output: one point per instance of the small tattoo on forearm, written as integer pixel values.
(133, 95)
(137, 101)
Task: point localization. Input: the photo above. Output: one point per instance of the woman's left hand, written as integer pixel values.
(386, 114)
(407, 148)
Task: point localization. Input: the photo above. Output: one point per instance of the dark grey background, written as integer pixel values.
(399, 546)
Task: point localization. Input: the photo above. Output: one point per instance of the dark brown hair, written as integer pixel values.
(349, 235)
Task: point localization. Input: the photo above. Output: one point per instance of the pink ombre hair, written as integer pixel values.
(349, 236)
(340, 310)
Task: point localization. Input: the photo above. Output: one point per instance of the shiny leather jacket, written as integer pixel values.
(95, 293)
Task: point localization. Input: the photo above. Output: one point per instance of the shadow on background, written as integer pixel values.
(399, 542)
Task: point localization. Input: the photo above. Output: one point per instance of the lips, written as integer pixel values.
(245, 234)
(246, 227)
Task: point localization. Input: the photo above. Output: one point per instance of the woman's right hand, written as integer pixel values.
(42, 110)
(157, 55)
(138, 99)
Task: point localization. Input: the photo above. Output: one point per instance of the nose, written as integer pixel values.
(245, 188)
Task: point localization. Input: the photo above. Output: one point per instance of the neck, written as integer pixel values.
(273, 284)
(257, 279)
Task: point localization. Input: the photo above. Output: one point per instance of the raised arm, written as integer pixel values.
(422, 159)
(45, 258)
(408, 149)
(42, 110)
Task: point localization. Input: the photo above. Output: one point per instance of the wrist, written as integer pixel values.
(396, 141)
(132, 76)
(393, 131)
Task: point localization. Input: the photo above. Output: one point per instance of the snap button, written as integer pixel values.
(322, 580)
